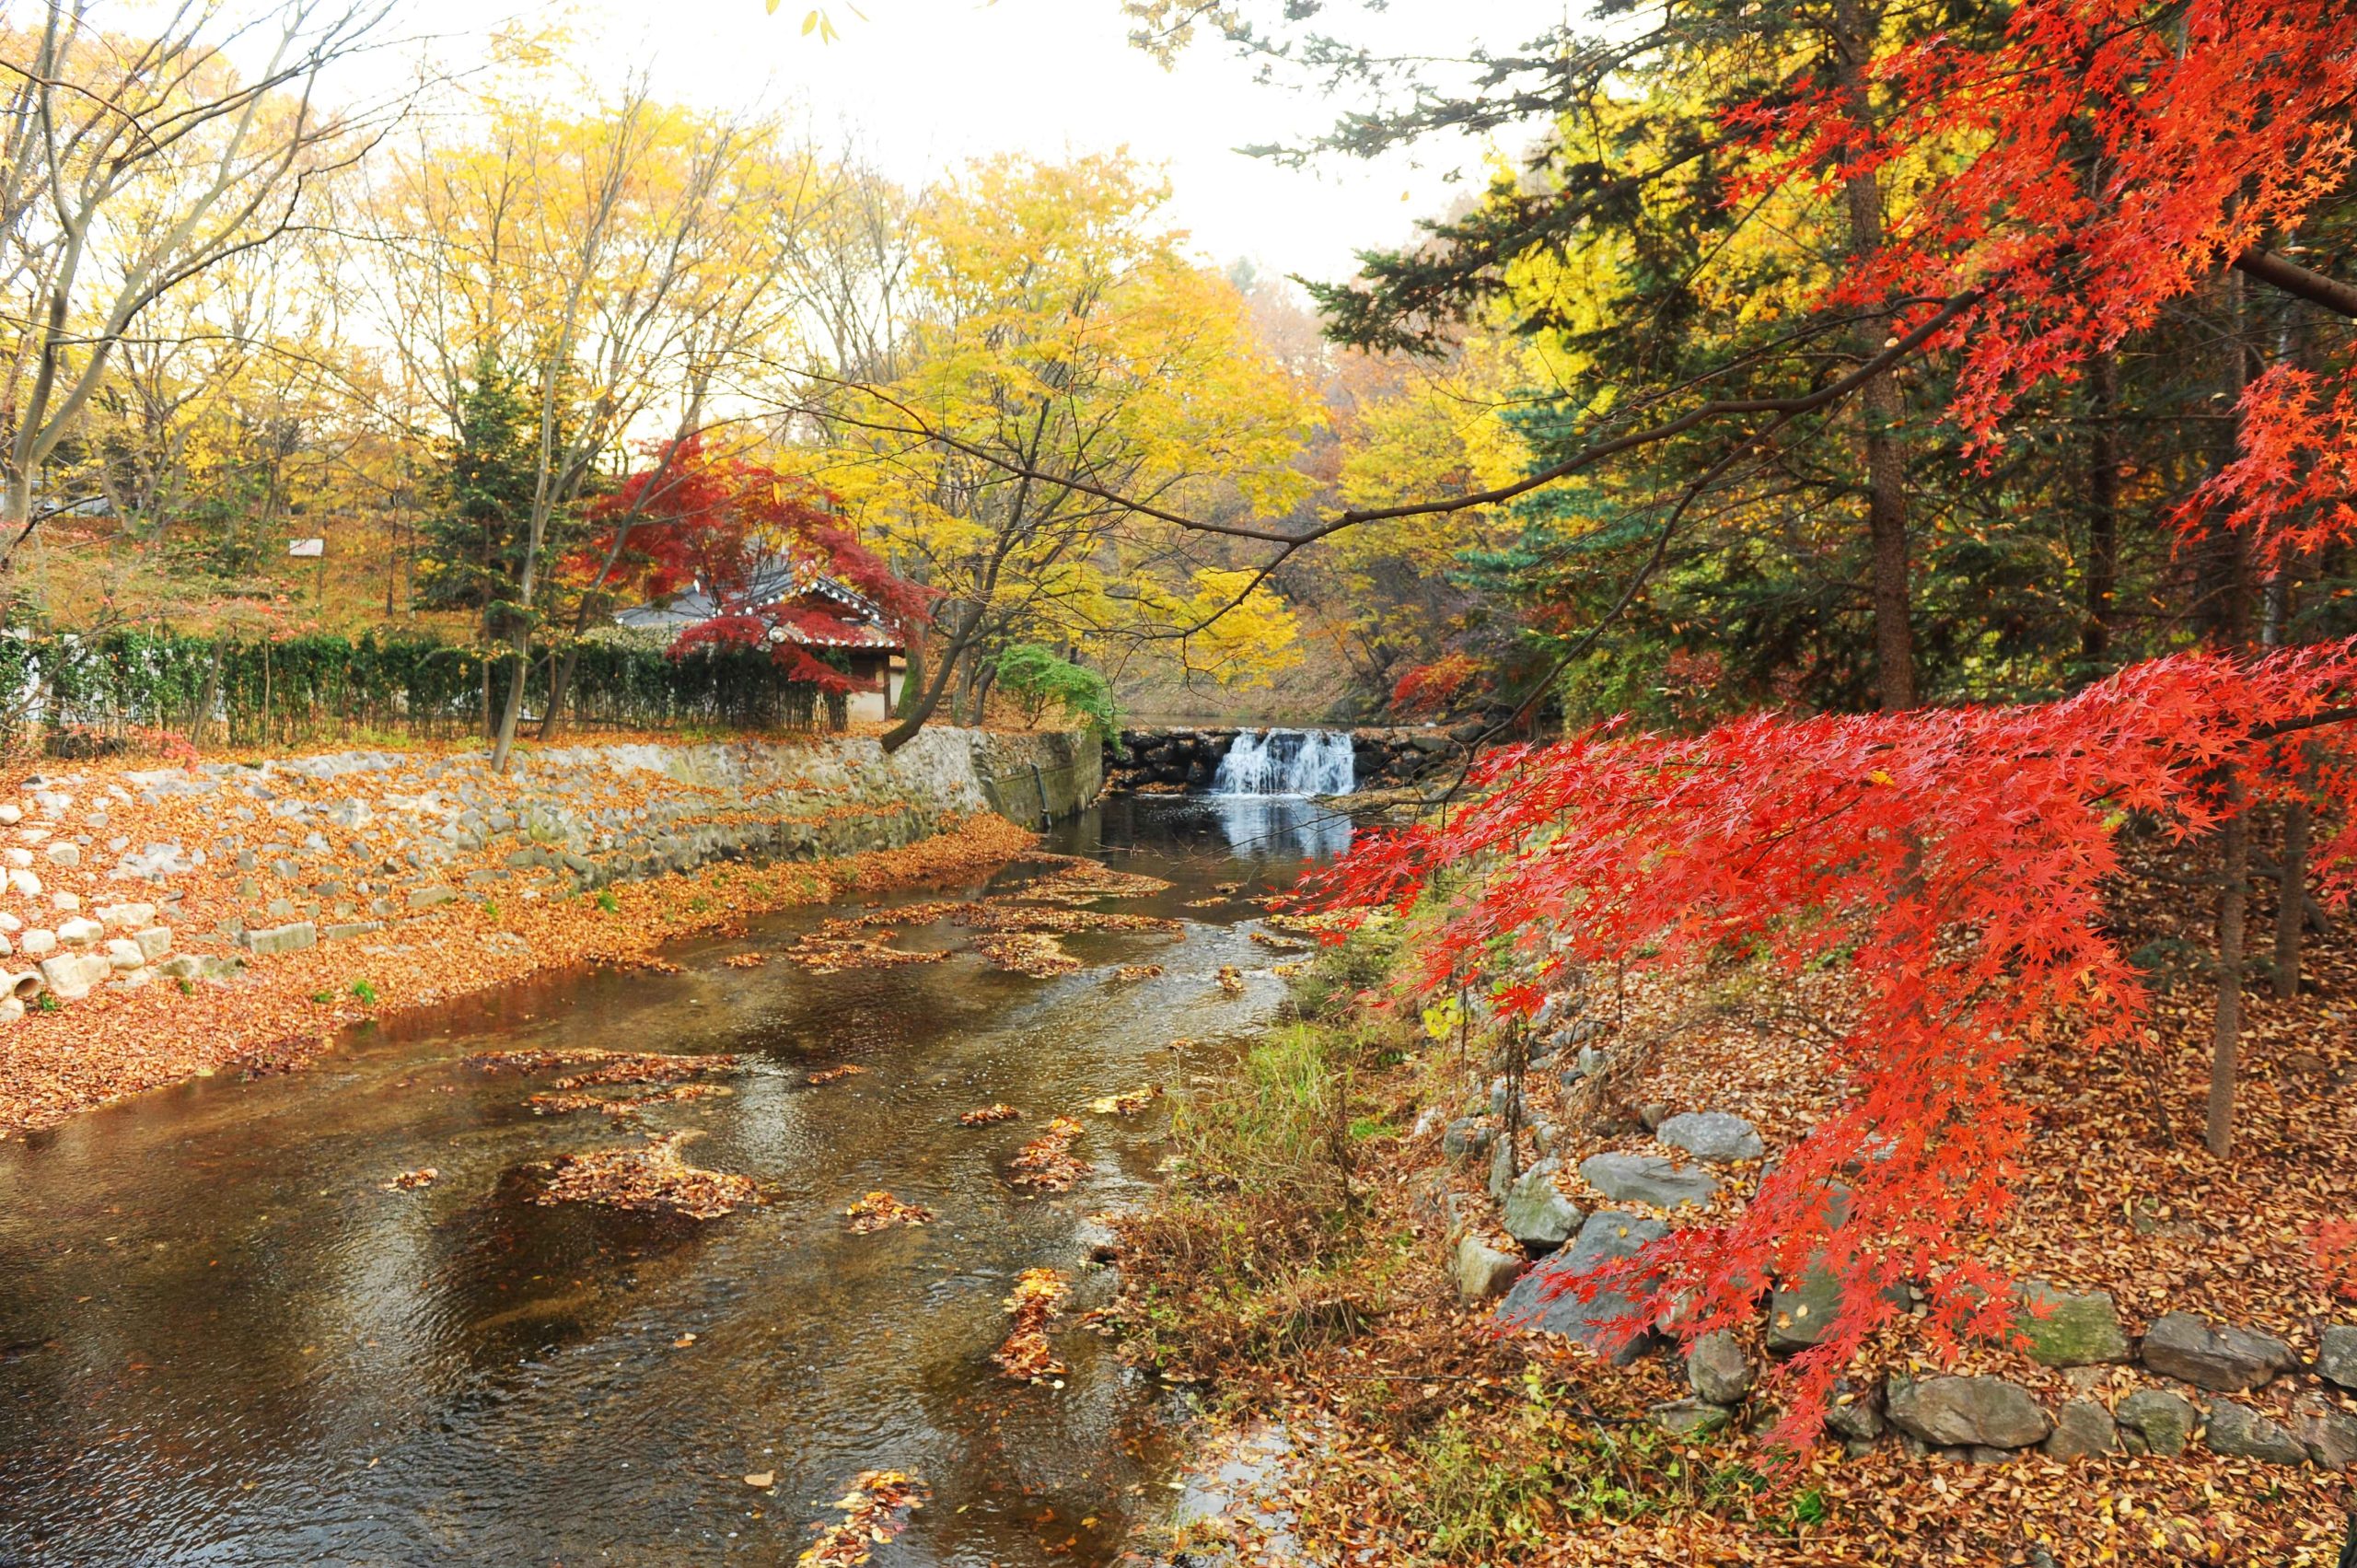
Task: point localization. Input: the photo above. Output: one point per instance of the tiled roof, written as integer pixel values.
(774, 581)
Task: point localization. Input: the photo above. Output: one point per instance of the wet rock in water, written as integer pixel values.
(1713, 1135)
(1717, 1370)
(1975, 1411)
(2083, 1428)
(2075, 1331)
(1647, 1179)
(1483, 1272)
(1608, 1235)
(2158, 1421)
(2337, 1356)
(2240, 1432)
(2222, 1359)
(1537, 1214)
(1689, 1418)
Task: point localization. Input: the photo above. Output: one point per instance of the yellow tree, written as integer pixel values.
(1069, 374)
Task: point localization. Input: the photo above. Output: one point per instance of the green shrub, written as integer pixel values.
(1035, 678)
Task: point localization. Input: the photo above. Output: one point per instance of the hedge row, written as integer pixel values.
(300, 688)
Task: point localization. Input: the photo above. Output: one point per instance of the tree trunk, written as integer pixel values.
(929, 697)
(2292, 900)
(1881, 407)
(2234, 898)
(521, 664)
(560, 688)
(2102, 576)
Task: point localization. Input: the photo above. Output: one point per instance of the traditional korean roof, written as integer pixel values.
(774, 581)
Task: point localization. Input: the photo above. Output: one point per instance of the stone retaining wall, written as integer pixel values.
(184, 873)
(1522, 1235)
(1169, 760)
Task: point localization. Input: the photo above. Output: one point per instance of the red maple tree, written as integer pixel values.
(724, 523)
(1951, 860)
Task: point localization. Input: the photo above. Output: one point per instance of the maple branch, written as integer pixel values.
(2315, 287)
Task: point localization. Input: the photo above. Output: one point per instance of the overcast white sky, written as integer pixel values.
(927, 84)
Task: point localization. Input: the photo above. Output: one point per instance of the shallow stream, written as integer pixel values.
(221, 1342)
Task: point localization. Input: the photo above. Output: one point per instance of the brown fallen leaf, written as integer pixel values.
(762, 1478)
(880, 1211)
(987, 1115)
(1039, 1293)
(409, 1180)
(1046, 1163)
(830, 1075)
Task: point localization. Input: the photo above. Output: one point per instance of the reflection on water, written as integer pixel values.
(220, 1342)
(1284, 829)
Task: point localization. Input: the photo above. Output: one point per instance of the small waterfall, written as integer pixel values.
(1286, 761)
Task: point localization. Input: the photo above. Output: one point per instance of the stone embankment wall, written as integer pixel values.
(1162, 759)
(119, 877)
(1524, 1238)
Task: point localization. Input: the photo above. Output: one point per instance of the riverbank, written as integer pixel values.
(169, 923)
(1330, 1263)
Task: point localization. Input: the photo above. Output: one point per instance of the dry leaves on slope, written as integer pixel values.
(653, 1178)
(1046, 1163)
(873, 1512)
(880, 1211)
(1039, 1293)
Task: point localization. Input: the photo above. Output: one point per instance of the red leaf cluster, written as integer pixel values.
(2097, 161)
(1952, 861)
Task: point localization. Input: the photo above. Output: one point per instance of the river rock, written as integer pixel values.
(292, 938)
(2240, 1432)
(1801, 1313)
(37, 942)
(1689, 1418)
(124, 953)
(2075, 1330)
(2222, 1359)
(1853, 1415)
(122, 916)
(63, 852)
(1483, 1272)
(1712, 1135)
(2162, 1422)
(1986, 1413)
(1466, 1138)
(2327, 1432)
(1607, 1235)
(1537, 1214)
(1717, 1370)
(74, 933)
(2337, 1356)
(71, 975)
(2083, 1428)
(197, 966)
(1647, 1179)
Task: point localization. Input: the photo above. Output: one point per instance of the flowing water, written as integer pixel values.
(222, 1343)
(1286, 761)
